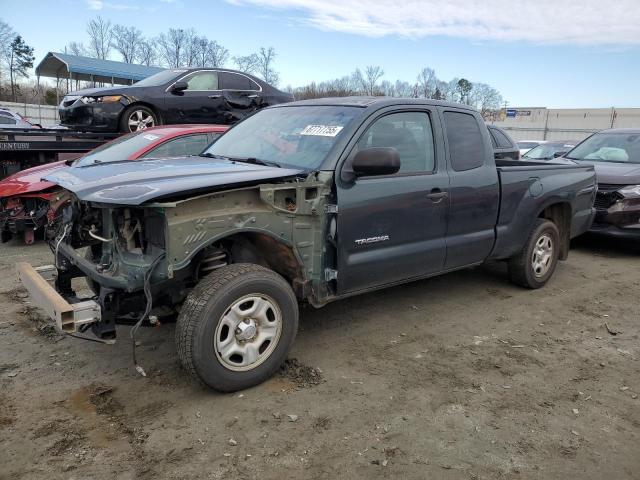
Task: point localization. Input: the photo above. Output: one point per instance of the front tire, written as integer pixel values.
(137, 118)
(236, 327)
(536, 262)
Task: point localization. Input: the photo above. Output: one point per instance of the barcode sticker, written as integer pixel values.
(321, 130)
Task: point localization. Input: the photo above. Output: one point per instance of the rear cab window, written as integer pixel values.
(466, 144)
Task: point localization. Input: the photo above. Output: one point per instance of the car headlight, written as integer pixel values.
(632, 191)
(104, 99)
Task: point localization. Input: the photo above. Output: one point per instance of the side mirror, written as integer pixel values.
(558, 154)
(376, 161)
(180, 86)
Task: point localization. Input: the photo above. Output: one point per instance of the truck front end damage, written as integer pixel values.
(142, 261)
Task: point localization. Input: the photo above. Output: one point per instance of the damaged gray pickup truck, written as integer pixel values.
(310, 201)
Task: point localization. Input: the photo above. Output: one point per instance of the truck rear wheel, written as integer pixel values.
(534, 265)
(236, 327)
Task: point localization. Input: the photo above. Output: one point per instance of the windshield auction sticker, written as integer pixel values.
(321, 130)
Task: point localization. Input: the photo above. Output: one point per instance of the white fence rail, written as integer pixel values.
(45, 115)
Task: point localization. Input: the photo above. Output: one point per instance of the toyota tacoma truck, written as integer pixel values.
(311, 201)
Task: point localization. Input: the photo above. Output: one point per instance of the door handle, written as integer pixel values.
(437, 195)
(215, 96)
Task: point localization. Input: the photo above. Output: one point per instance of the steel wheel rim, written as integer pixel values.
(248, 332)
(140, 120)
(542, 257)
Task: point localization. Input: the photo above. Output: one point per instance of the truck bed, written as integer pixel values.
(528, 187)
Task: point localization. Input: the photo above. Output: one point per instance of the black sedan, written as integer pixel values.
(200, 95)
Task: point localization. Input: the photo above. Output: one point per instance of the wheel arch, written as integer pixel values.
(262, 248)
(560, 214)
(135, 103)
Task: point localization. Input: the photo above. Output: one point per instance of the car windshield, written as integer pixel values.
(608, 147)
(119, 149)
(287, 136)
(524, 145)
(159, 78)
(546, 151)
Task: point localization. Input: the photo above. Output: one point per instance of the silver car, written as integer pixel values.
(11, 119)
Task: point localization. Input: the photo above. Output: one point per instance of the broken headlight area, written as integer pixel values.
(618, 206)
(121, 252)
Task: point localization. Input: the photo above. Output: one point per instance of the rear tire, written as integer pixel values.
(536, 262)
(137, 118)
(236, 327)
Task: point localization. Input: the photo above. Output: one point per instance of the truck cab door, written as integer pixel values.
(392, 228)
(201, 102)
(474, 189)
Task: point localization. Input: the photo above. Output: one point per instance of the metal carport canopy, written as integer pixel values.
(74, 67)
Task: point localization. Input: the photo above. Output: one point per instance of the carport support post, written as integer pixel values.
(39, 100)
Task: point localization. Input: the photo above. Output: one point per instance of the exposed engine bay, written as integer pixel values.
(142, 261)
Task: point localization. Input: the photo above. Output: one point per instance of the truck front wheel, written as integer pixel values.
(236, 327)
(534, 265)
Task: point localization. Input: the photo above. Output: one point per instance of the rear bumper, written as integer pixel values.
(69, 317)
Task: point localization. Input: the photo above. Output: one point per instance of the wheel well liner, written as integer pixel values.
(268, 251)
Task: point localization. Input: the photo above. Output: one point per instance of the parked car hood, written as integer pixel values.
(29, 180)
(616, 173)
(134, 183)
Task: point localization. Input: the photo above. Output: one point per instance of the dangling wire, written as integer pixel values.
(147, 293)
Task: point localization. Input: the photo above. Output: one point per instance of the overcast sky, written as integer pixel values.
(556, 53)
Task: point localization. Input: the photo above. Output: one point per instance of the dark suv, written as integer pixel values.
(200, 95)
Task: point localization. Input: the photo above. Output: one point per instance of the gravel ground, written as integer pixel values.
(463, 376)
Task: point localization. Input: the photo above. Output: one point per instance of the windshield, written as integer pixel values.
(289, 136)
(609, 147)
(546, 151)
(524, 145)
(119, 149)
(159, 78)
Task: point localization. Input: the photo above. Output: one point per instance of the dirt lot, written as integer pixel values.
(459, 377)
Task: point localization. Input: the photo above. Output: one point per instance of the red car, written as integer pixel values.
(28, 203)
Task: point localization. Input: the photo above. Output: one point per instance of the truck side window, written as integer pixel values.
(465, 141)
(410, 134)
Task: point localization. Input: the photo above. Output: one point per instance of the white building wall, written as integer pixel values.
(564, 123)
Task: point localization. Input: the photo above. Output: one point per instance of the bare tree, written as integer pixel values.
(76, 48)
(6, 37)
(403, 89)
(126, 41)
(427, 82)
(171, 47)
(247, 63)
(485, 98)
(217, 55)
(146, 54)
(266, 59)
(100, 34)
(192, 48)
(372, 75)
